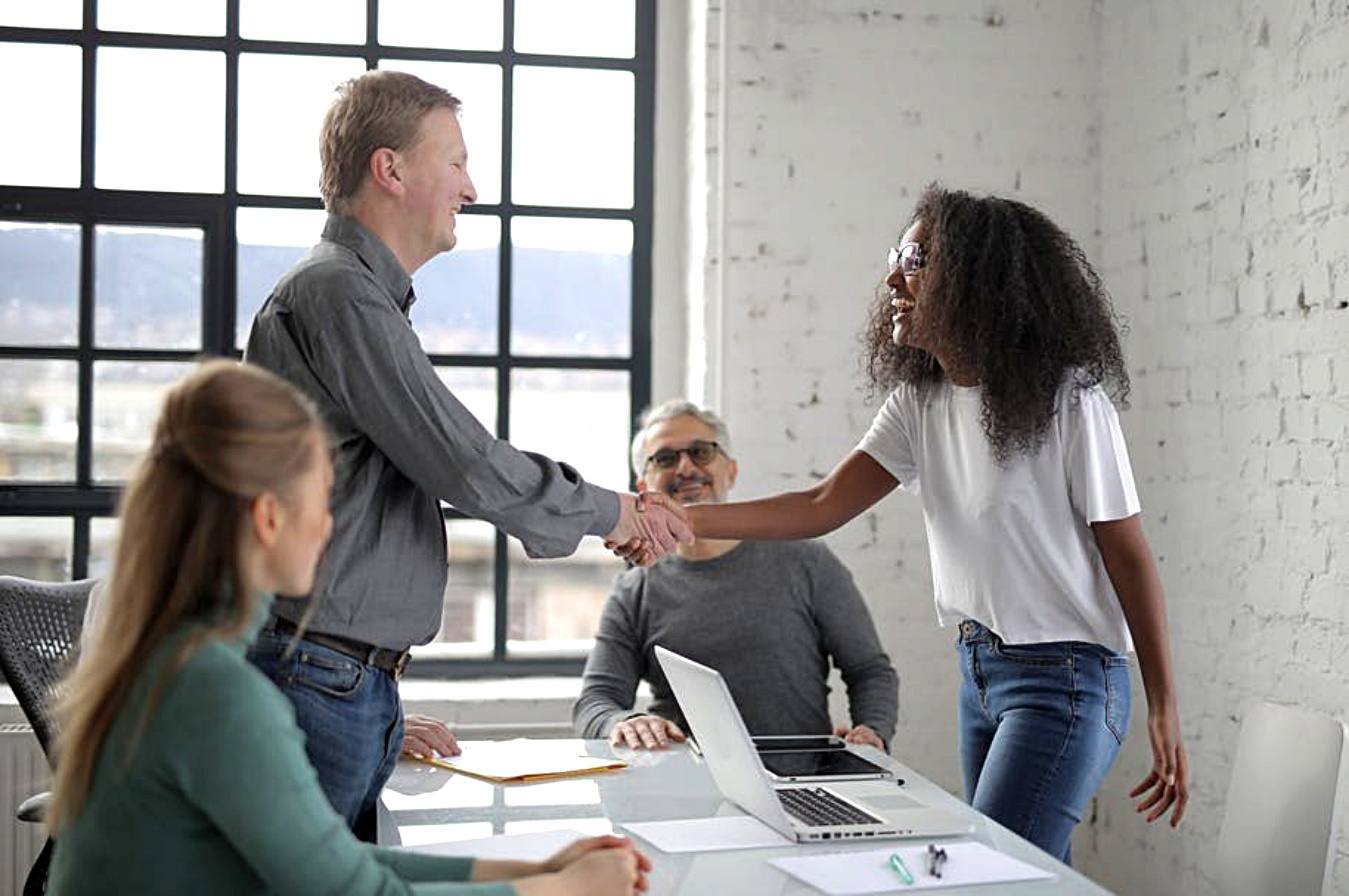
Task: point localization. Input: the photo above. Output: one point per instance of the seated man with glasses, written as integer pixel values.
(769, 615)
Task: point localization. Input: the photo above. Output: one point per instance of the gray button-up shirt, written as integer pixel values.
(337, 326)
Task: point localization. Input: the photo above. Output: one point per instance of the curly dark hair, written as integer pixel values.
(1015, 299)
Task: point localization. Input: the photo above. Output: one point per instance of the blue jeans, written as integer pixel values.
(1040, 726)
(351, 717)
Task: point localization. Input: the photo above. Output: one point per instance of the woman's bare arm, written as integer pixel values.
(1133, 572)
(853, 486)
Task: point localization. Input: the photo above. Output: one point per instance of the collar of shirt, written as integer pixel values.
(377, 257)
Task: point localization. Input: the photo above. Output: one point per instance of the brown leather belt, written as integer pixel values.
(395, 662)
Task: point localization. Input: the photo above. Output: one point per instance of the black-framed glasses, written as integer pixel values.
(908, 257)
(699, 451)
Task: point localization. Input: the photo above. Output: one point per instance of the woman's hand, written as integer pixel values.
(565, 856)
(603, 866)
(1168, 784)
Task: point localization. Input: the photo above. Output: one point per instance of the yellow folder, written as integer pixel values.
(524, 761)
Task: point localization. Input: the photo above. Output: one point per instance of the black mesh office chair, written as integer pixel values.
(40, 626)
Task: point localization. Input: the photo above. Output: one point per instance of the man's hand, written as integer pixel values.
(649, 732)
(650, 525)
(428, 737)
(860, 734)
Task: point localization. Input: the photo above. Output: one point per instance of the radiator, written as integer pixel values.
(23, 772)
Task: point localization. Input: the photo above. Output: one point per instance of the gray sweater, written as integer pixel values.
(769, 616)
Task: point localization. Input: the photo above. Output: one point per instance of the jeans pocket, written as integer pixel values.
(1048, 654)
(327, 672)
(1118, 696)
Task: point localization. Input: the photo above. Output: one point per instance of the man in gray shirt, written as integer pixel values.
(394, 177)
(768, 615)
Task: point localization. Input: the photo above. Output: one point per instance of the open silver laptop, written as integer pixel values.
(803, 812)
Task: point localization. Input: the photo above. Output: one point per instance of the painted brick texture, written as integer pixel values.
(1225, 240)
(1199, 151)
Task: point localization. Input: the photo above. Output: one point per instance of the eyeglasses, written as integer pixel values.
(699, 451)
(908, 257)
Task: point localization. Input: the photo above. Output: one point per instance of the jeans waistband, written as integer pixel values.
(393, 662)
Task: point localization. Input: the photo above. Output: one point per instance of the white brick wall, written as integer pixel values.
(1225, 239)
(1200, 153)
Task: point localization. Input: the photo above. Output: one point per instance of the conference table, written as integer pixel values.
(423, 805)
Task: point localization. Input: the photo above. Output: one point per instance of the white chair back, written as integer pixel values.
(1276, 827)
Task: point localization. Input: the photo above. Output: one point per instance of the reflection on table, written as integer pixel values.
(424, 805)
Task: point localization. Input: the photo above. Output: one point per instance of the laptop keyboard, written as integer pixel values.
(817, 807)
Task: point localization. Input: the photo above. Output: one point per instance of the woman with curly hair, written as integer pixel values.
(1000, 351)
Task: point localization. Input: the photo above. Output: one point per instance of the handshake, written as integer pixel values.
(650, 525)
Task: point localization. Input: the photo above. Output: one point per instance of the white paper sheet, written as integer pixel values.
(855, 873)
(707, 834)
(532, 847)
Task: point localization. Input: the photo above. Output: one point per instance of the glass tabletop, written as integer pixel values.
(425, 805)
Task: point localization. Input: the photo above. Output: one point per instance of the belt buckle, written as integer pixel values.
(400, 665)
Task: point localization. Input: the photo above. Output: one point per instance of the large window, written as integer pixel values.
(160, 173)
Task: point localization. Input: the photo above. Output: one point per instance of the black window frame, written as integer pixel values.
(89, 207)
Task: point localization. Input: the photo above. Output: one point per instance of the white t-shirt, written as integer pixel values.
(1012, 545)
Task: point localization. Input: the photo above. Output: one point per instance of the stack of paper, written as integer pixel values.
(856, 873)
(522, 761)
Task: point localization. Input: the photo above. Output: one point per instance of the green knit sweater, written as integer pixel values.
(219, 797)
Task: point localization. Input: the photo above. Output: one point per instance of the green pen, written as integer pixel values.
(900, 868)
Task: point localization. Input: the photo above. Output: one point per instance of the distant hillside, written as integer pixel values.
(564, 302)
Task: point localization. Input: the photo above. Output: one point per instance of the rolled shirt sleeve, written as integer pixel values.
(369, 356)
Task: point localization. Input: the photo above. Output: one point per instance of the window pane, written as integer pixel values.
(102, 545)
(47, 105)
(476, 389)
(36, 547)
(38, 420)
(313, 21)
(161, 120)
(127, 399)
(469, 615)
(580, 417)
(282, 101)
(271, 240)
(576, 28)
(554, 606)
(443, 24)
(147, 287)
(47, 14)
(572, 142)
(479, 87)
(40, 291)
(163, 16)
(571, 287)
(456, 307)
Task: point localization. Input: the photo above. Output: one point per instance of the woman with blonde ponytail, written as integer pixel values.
(179, 765)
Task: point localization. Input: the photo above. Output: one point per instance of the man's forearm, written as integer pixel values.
(872, 702)
(595, 714)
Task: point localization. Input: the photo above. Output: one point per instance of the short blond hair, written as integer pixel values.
(377, 109)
